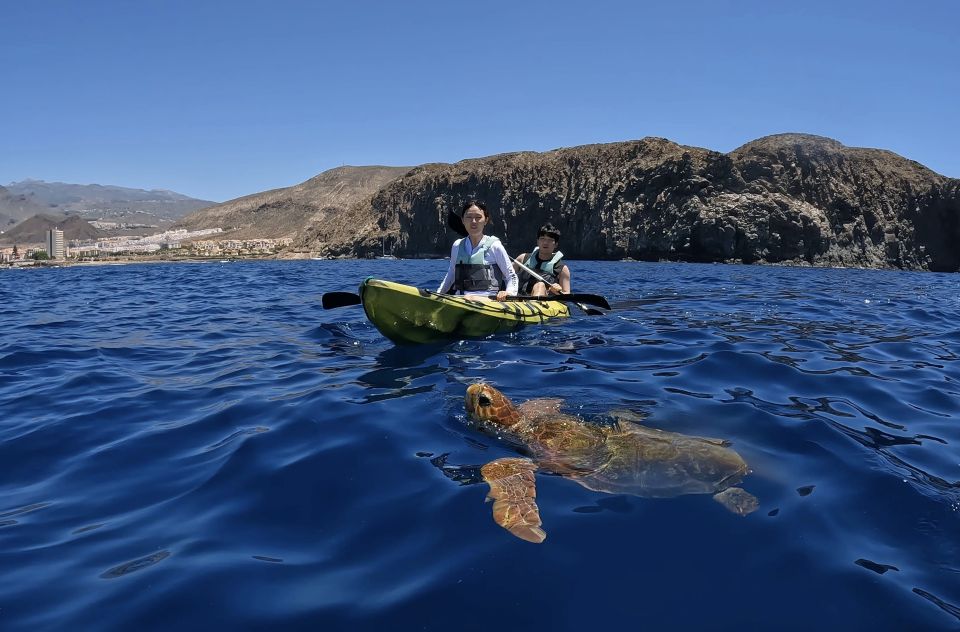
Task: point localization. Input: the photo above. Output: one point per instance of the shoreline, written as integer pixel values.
(71, 264)
(46, 264)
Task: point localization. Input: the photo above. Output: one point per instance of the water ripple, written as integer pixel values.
(201, 444)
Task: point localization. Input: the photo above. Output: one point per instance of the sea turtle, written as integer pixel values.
(623, 459)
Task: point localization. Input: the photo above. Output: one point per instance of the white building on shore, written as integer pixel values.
(55, 248)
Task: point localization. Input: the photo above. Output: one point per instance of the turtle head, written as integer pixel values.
(485, 403)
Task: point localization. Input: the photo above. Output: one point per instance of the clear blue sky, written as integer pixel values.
(222, 99)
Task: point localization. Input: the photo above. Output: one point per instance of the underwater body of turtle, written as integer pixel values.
(625, 459)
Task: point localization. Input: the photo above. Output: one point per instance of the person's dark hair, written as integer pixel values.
(549, 230)
(479, 205)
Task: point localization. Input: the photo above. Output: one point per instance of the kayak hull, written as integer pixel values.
(406, 314)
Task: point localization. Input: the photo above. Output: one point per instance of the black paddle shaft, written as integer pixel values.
(589, 299)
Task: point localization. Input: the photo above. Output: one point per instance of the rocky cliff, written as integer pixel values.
(789, 198)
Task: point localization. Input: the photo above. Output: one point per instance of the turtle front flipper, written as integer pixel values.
(513, 492)
(739, 501)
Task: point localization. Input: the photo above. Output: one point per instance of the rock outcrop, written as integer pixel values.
(876, 209)
(789, 198)
(34, 229)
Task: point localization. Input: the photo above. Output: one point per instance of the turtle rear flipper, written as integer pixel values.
(513, 492)
(739, 501)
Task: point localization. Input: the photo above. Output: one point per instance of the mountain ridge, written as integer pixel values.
(788, 198)
(34, 229)
(785, 198)
(285, 212)
(158, 207)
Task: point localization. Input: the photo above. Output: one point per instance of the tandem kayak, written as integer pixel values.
(406, 314)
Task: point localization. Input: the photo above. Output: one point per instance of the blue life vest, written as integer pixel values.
(473, 273)
(549, 270)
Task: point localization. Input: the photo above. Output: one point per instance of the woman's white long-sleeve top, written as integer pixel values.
(495, 255)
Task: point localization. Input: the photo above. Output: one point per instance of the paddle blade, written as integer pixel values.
(589, 311)
(588, 299)
(456, 224)
(332, 300)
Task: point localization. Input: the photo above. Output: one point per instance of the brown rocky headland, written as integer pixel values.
(789, 198)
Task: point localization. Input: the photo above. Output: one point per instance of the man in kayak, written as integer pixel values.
(546, 261)
(479, 264)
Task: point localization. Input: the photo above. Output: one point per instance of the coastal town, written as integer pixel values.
(168, 245)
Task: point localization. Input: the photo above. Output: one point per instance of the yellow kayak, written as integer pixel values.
(406, 314)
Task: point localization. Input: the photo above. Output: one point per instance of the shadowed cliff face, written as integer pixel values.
(788, 198)
(881, 210)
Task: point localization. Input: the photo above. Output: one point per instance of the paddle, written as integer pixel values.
(332, 300)
(567, 297)
(592, 299)
(455, 222)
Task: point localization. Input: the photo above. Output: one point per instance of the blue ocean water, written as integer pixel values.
(200, 445)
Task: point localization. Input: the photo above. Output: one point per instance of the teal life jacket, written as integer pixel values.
(473, 273)
(549, 270)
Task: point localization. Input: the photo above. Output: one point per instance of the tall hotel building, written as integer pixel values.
(55, 244)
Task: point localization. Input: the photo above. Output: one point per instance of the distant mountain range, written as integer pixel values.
(20, 200)
(17, 207)
(788, 198)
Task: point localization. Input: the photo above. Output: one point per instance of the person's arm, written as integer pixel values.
(517, 267)
(503, 261)
(451, 269)
(520, 259)
(564, 279)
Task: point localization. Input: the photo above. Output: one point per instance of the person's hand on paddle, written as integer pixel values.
(500, 296)
(547, 287)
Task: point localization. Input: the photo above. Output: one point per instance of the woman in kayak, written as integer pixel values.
(546, 261)
(479, 264)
